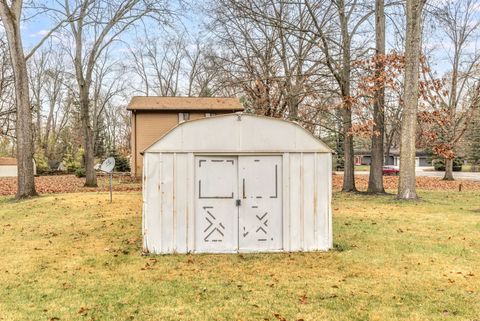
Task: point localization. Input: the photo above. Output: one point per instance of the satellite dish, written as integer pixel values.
(108, 165)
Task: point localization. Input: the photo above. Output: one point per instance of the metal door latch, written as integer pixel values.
(238, 202)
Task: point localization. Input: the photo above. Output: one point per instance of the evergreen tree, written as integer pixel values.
(121, 162)
(473, 141)
(100, 148)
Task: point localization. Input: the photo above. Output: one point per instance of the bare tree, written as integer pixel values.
(11, 16)
(203, 76)
(7, 104)
(163, 59)
(94, 26)
(407, 182)
(460, 23)
(58, 101)
(348, 26)
(37, 69)
(108, 84)
(247, 58)
(266, 54)
(174, 65)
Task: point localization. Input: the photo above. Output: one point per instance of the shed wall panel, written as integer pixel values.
(181, 202)
(308, 202)
(324, 178)
(286, 201)
(190, 203)
(295, 210)
(152, 191)
(168, 204)
(329, 204)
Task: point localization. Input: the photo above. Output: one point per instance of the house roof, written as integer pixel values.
(8, 161)
(184, 103)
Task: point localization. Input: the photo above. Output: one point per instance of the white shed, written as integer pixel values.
(237, 183)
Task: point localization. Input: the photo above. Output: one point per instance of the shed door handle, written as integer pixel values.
(238, 202)
(243, 188)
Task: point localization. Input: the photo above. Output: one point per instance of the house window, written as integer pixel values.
(209, 114)
(183, 117)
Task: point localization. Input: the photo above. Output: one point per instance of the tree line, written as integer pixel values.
(380, 74)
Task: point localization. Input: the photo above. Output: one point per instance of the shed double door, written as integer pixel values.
(238, 203)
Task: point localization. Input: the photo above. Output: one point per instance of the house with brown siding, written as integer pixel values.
(153, 116)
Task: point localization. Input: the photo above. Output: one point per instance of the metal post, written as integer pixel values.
(110, 187)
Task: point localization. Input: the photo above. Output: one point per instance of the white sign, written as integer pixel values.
(108, 165)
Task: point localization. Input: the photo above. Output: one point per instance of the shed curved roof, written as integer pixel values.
(240, 132)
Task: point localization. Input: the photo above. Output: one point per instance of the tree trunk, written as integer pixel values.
(23, 130)
(387, 157)
(48, 125)
(448, 170)
(349, 166)
(388, 147)
(88, 139)
(375, 180)
(407, 181)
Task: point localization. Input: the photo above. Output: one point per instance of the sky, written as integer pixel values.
(435, 42)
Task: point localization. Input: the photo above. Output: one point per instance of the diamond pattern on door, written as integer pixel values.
(215, 229)
(263, 227)
(260, 216)
(216, 216)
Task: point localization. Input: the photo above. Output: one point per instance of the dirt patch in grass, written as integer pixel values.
(70, 184)
(423, 183)
(78, 257)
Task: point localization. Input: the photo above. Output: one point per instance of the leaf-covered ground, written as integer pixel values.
(423, 183)
(72, 184)
(78, 257)
(69, 184)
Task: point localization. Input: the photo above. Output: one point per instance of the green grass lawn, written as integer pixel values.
(77, 257)
(364, 168)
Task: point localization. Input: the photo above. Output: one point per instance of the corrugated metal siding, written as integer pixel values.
(169, 222)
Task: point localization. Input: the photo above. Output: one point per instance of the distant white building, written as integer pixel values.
(9, 168)
(422, 158)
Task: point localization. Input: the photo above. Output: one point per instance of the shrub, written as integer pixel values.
(439, 164)
(41, 162)
(121, 162)
(80, 172)
(339, 163)
(73, 159)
